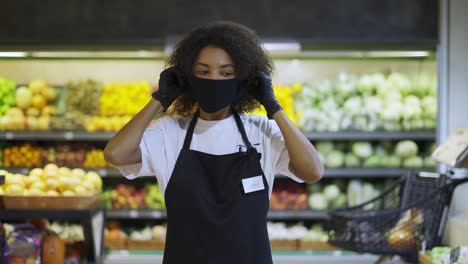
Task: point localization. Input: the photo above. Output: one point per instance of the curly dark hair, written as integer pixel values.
(240, 42)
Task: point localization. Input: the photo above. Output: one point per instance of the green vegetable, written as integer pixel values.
(372, 162)
(339, 202)
(354, 192)
(335, 159)
(391, 162)
(362, 149)
(324, 147)
(406, 148)
(317, 201)
(428, 162)
(331, 192)
(351, 161)
(413, 162)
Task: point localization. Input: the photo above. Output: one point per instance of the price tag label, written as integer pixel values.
(156, 214)
(68, 135)
(9, 135)
(133, 214)
(102, 172)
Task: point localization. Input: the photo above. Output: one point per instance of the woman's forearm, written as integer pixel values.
(305, 162)
(124, 147)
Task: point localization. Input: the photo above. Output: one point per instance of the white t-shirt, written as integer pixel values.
(163, 140)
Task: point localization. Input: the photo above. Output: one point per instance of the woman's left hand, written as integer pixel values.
(263, 92)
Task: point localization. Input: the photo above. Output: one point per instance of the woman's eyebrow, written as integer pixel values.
(207, 65)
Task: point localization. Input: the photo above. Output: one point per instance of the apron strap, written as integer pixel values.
(188, 136)
(240, 126)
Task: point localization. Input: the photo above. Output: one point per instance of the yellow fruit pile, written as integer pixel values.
(285, 95)
(124, 98)
(95, 159)
(52, 181)
(104, 123)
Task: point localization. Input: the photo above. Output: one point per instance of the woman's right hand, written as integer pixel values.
(170, 87)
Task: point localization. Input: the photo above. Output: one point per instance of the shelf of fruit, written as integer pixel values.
(313, 136)
(55, 136)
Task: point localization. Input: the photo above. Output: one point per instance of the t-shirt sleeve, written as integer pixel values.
(143, 168)
(280, 153)
(154, 159)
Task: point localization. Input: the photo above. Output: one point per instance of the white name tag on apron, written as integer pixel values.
(253, 184)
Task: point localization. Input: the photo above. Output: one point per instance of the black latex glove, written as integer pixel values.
(170, 87)
(263, 92)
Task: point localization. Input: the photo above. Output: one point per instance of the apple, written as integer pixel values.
(23, 97)
(14, 189)
(80, 190)
(95, 179)
(40, 185)
(68, 193)
(51, 183)
(38, 101)
(17, 179)
(52, 193)
(36, 86)
(32, 123)
(50, 94)
(35, 192)
(2, 192)
(31, 179)
(64, 171)
(51, 166)
(43, 123)
(89, 186)
(32, 111)
(67, 183)
(78, 173)
(37, 171)
(49, 110)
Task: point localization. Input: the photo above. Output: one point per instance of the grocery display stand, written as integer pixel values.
(91, 219)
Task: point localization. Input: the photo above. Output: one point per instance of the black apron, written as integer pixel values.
(210, 219)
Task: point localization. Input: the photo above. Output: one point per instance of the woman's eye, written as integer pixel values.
(202, 72)
(226, 74)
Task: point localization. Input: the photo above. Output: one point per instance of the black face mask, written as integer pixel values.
(214, 95)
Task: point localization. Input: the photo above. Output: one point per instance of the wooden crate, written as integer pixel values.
(308, 245)
(145, 244)
(116, 244)
(284, 245)
(49, 202)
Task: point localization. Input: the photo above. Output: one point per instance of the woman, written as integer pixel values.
(215, 166)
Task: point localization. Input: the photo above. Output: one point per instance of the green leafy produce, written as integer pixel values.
(351, 161)
(317, 201)
(429, 162)
(369, 102)
(324, 147)
(391, 162)
(372, 162)
(362, 149)
(413, 162)
(406, 149)
(331, 192)
(83, 96)
(339, 202)
(335, 159)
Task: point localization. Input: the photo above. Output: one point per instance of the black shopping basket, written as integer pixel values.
(409, 215)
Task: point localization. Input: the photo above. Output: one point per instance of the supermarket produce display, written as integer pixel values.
(375, 126)
(369, 102)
